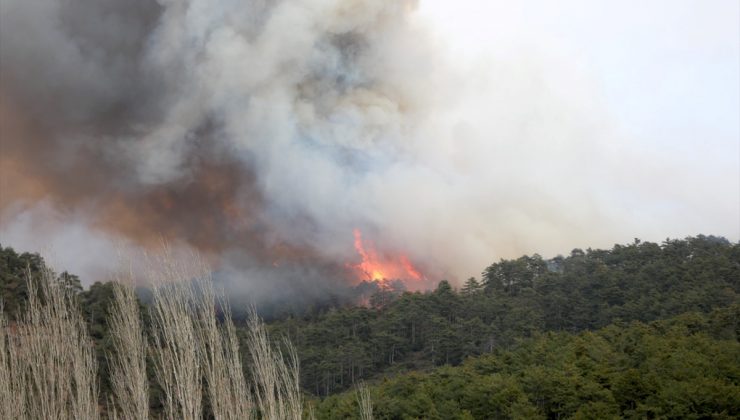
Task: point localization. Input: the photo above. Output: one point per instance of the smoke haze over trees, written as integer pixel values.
(523, 327)
(393, 185)
(261, 134)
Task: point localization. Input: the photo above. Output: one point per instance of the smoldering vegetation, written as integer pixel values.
(224, 144)
(200, 141)
(266, 132)
(415, 350)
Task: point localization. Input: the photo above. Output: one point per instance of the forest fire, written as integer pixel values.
(381, 267)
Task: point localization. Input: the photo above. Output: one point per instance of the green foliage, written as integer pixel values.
(471, 287)
(13, 268)
(517, 299)
(565, 337)
(681, 368)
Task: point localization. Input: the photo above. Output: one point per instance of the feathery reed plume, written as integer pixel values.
(174, 351)
(128, 378)
(291, 380)
(189, 345)
(12, 378)
(6, 395)
(48, 366)
(9, 387)
(364, 401)
(277, 384)
(51, 360)
(220, 360)
(111, 411)
(310, 411)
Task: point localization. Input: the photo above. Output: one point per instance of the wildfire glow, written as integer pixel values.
(379, 267)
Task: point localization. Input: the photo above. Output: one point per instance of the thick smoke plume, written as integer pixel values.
(247, 130)
(263, 133)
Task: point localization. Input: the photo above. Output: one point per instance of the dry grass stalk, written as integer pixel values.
(219, 351)
(310, 411)
(364, 401)
(174, 351)
(51, 359)
(128, 377)
(241, 394)
(17, 386)
(48, 366)
(173, 345)
(188, 344)
(11, 391)
(112, 411)
(277, 381)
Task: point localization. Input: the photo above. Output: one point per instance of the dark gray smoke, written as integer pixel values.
(262, 133)
(209, 124)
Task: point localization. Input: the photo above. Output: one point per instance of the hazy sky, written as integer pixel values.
(667, 73)
(455, 133)
(669, 70)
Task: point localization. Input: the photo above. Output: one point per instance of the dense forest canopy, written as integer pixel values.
(639, 330)
(686, 367)
(514, 299)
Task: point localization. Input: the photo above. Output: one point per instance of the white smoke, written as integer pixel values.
(351, 114)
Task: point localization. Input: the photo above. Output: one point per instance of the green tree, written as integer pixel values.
(470, 287)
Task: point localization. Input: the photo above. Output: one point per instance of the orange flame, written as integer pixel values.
(381, 267)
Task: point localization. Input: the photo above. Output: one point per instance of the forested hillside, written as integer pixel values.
(686, 367)
(639, 330)
(514, 299)
(14, 268)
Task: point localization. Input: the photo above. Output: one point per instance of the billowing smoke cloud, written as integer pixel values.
(243, 129)
(261, 133)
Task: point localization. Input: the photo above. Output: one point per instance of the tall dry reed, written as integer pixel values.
(128, 378)
(189, 344)
(48, 367)
(11, 389)
(364, 401)
(175, 353)
(226, 387)
(49, 361)
(276, 377)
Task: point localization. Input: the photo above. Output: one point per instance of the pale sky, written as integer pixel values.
(457, 134)
(666, 72)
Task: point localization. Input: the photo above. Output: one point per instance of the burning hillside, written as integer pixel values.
(380, 267)
(262, 134)
(138, 135)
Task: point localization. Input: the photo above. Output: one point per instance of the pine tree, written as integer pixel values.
(470, 287)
